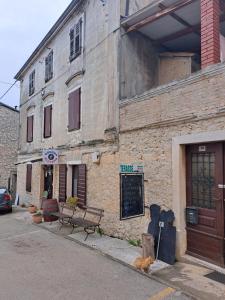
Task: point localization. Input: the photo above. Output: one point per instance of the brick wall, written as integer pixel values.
(210, 40)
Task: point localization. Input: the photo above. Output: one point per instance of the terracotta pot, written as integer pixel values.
(32, 209)
(37, 219)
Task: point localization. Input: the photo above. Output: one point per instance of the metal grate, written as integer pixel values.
(202, 180)
(216, 276)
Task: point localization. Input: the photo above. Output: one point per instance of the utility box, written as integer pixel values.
(192, 215)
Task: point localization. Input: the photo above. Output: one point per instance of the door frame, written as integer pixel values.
(179, 180)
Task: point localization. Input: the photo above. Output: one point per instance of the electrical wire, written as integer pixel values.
(6, 92)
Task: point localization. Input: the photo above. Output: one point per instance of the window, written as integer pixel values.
(49, 66)
(29, 177)
(30, 124)
(76, 40)
(74, 110)
(32, 83)
(48, 121)
(79, 183)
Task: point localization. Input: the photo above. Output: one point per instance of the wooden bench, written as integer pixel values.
(90, 220)
(66, 212)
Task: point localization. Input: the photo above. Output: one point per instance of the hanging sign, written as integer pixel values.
(134, 168)
(50, 157)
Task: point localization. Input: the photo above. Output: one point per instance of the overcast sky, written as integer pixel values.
(23, 24)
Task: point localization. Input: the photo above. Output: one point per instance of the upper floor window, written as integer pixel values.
(30, 127)
(48, 121)
(49, 66)
(32, 83)
(76, 40)
(74, 110)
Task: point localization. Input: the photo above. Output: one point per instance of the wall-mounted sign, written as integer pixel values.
(50, 157)
(202, 148)
(134, 168)
(131, 195)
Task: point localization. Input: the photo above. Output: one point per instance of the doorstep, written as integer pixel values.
(189, 276)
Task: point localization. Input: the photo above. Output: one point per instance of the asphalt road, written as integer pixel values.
(37, 264)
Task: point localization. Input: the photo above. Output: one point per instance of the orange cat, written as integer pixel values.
(143, 263)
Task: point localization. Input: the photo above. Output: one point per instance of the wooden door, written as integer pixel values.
(204, 177)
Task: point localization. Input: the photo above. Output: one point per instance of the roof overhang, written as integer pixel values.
(172, 24)
(50, 35)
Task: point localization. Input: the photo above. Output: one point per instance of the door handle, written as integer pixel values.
(221, 186)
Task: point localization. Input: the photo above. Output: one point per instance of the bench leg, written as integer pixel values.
(88, 231)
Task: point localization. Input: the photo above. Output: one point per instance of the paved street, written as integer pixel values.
(37, 264)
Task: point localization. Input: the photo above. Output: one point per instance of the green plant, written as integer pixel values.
(72, 200)
(38, 213)
(136, 243)
(100, 231)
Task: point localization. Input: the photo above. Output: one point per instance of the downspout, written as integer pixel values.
(127, 8)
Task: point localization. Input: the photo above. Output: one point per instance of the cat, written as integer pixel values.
(143, 264)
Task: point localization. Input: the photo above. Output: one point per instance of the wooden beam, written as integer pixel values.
(160, 14)
(178, 34)
(179, 19)
(182, 32)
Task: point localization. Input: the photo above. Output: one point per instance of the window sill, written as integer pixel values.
(73, 130)
(47, 80)
(75, 56)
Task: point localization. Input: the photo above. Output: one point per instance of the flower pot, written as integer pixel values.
(32, 209)
(37, 219)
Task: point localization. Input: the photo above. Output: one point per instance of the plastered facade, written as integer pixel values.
(95, 72)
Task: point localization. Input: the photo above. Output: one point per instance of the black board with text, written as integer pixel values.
(131, 195)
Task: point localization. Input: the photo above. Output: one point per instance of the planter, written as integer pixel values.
(37, 219)
(32, 209)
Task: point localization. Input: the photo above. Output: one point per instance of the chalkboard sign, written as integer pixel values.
(131, 195)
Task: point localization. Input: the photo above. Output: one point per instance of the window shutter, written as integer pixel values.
(47, 121)
(30, 122)
(74, 110)
(46, 69)
(78, 37)
(81, 186)
(71, 43)
(62, 182)
(51, 65)
(29, 178)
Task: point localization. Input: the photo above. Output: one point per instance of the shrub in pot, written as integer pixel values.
(37, 217)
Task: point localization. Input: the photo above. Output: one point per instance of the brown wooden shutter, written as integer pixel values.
(62, 182)
(47, 121)
(30, 122)
(74, 110)
(29, 178)
(81, 186)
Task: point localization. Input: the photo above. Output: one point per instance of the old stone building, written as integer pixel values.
(9, 133)
(136, 112)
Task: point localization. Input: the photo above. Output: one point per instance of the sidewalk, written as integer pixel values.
(188, 275)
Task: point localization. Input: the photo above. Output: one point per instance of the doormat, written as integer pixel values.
(216, 276)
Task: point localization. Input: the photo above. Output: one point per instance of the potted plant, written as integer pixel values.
(37, 217)
(32, 208)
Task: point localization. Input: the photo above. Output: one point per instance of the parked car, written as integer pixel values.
(5, 200)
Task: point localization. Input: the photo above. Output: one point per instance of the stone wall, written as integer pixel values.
(9, 131)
